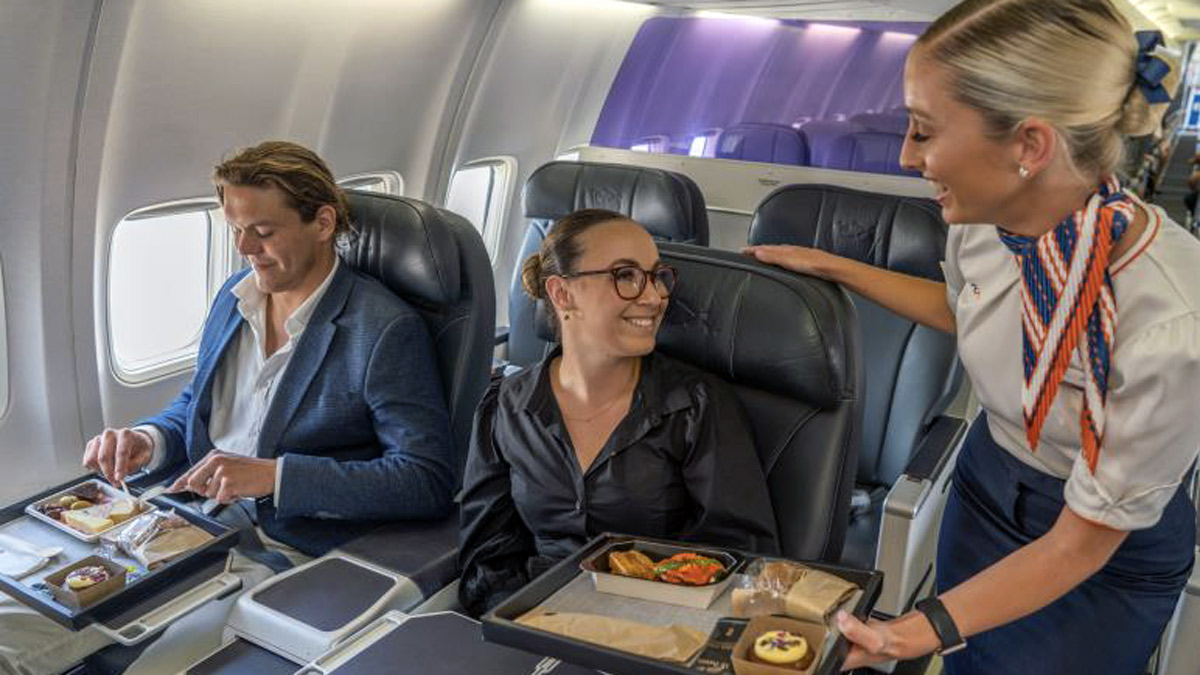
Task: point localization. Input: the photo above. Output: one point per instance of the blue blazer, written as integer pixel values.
(358, 418)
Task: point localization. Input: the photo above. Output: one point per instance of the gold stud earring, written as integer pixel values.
(566, 316)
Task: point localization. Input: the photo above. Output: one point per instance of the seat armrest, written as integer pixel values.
(935, 449)
(912, 514)
(501, 336)
(425, 552)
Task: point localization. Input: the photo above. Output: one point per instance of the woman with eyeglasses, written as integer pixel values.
(604, 434)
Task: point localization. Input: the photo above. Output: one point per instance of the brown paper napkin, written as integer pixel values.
(673, 643)
(816, 594)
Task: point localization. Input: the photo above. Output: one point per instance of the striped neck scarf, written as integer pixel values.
(1067, 304)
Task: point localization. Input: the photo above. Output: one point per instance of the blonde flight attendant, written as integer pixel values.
(1069, 534)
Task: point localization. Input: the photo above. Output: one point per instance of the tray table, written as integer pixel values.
(148, 603)
(565, 588)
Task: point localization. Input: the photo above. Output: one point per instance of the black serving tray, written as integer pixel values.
(499, 625)
(208, 558)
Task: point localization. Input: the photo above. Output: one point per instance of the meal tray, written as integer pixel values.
(564, 587)
(16, 522)
(31, 509)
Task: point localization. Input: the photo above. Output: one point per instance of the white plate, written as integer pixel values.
(110, 491)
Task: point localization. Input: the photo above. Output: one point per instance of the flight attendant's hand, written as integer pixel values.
(802, 259)
(907, 637)
(226, 477)
(116, 453)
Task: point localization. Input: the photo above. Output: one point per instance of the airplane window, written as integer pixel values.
(479, 192)
(704, 144)
(161, 275)
(385, 182)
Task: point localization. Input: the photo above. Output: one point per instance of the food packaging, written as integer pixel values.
(700, 597)
(782, 587)
(675, 643)
(812, 632)
(92, 594)
(155, 538)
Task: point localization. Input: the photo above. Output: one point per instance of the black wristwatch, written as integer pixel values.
(943, 625)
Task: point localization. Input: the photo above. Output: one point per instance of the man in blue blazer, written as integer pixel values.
(316, 397)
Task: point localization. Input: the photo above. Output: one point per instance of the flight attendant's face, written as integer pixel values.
(601, 320)
(975, 176)
(284, 251)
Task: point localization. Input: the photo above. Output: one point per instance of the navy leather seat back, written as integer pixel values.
(911, 371)
(889, 122)
(775, 143)
(436, 261)
(821, 137)
(870, 151)
(789, 346)
(668, 204)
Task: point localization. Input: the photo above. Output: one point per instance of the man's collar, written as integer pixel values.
(251, 300)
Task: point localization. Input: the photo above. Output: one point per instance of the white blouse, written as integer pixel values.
(1152, 431)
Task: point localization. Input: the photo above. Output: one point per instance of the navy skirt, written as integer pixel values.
(1108, 625)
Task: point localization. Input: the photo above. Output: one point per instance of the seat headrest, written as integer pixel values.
(872, 151)
(892, 123)
(407, 245)
(776, 143)
(759, 326)
(903, 234)
(668, 204)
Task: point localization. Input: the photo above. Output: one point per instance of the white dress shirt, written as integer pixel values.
(1152, 430)
(246, 378)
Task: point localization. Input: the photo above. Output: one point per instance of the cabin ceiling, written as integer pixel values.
(1178, 19)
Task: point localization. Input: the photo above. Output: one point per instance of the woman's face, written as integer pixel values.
(601, 321)
(975, 177)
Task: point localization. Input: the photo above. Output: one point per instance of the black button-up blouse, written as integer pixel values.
(680, 465)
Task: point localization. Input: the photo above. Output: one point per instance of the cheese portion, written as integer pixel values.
(87, 522)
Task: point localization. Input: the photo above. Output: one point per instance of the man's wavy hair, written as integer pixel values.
(299, 172)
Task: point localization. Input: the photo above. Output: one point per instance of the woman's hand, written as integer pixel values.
(870, 643)
(802, 259)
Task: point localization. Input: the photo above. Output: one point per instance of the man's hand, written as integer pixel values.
(116, 453)
(227, 478)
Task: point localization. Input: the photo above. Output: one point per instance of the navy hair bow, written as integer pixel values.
(1151, 69)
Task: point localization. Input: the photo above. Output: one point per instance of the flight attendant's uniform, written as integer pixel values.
(1116, 442)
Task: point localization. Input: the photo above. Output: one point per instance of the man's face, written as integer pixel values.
(285, 251)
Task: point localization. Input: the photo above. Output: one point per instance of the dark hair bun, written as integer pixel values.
(531, 276)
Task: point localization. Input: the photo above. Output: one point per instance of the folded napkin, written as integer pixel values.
(20, 564)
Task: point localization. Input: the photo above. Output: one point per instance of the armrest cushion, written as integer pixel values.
(425, 552)
(936, 448)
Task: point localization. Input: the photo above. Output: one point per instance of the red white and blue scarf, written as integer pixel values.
(1067, 304)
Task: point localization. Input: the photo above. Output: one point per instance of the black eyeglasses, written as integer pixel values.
(630, 280)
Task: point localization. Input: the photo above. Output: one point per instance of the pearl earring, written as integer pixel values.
(1022, 172)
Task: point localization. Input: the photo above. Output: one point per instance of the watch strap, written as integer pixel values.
(943, 625)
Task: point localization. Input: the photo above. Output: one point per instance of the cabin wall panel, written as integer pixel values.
(538, 91)
(42, 55)
(174, 86)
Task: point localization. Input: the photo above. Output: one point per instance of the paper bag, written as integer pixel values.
(673, 643)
